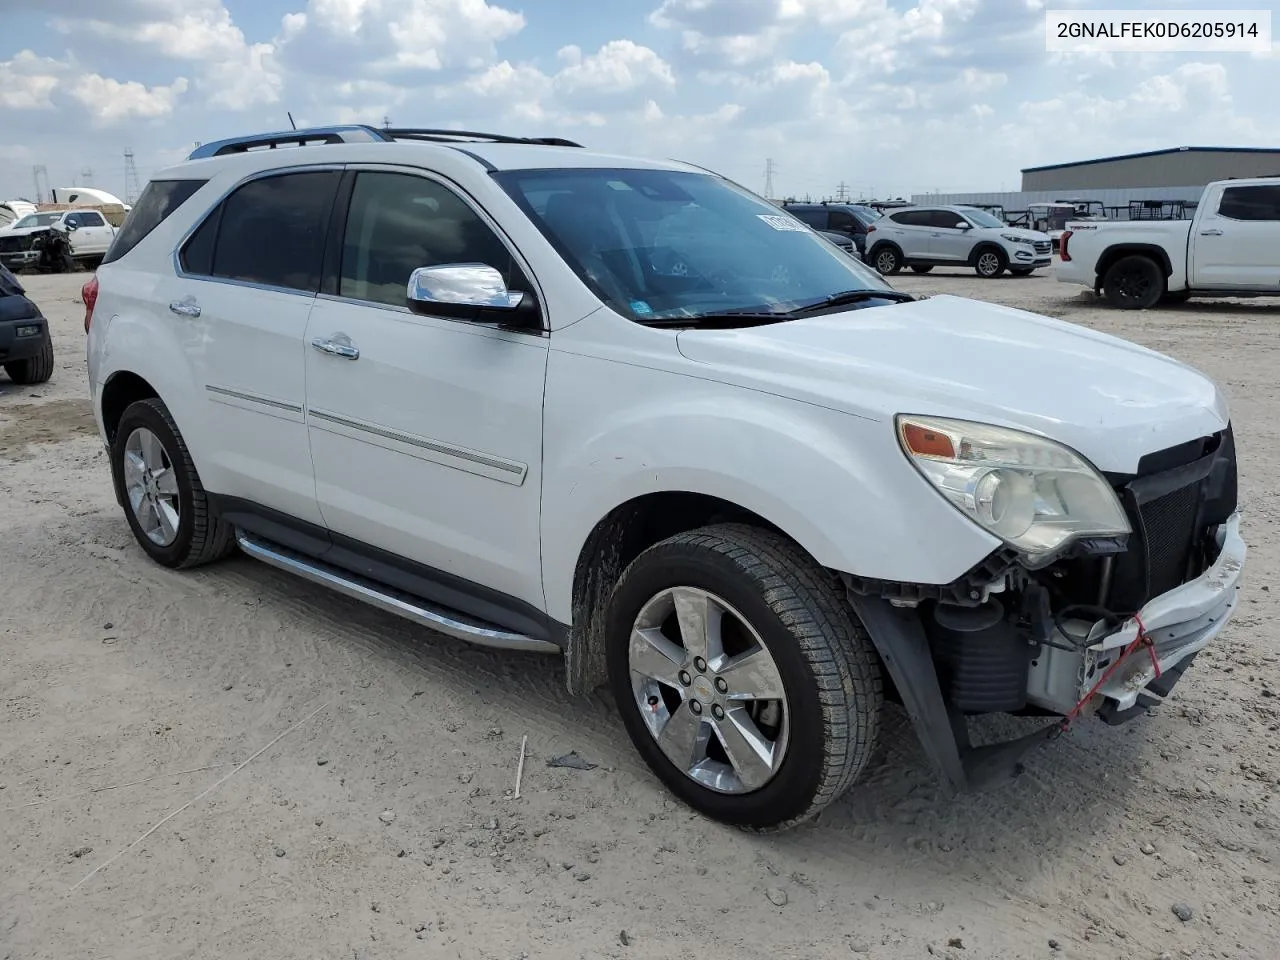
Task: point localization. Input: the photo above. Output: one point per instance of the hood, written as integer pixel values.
(1032, 235)
(1111, 400)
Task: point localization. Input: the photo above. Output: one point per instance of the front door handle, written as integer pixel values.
(1210, 233)
(337, 346)
(186, 307)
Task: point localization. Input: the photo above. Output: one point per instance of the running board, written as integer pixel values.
(451, 623)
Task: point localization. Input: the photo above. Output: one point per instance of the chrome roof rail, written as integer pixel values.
(349, 133)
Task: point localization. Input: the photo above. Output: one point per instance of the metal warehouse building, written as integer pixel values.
(1175, 167)
(1178, 173)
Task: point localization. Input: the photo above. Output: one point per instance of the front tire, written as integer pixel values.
(1134, 282)
(163, 499)
(32, 370)
(990, 263)
(743, 676)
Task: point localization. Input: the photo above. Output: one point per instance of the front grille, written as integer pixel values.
(1044, 246)
(1176, 499)
(15, 244)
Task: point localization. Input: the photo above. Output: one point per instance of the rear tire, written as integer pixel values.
(37, 369)
(887, 260)
(157, 483)
(769, 604)
(1134, 282)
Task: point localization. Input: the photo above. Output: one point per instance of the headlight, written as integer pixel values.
(1033, 493)
(1015, 239)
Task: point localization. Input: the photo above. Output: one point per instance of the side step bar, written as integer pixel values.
(449, 622)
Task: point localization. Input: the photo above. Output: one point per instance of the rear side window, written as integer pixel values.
(814, 218)
(270, 231)
(159, 199)
(1260, 202)
(843, 220)
(912, 218)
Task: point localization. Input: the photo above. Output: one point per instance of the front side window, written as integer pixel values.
(1260, 202)
(270, 231)
(90, 219)
(397, 223)
(843, 221)
(814, 218)
(979, 218)
(660, 244)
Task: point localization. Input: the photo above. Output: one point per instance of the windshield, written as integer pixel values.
(37, 220)
(662, 244)
(867, 213)
(981, 218)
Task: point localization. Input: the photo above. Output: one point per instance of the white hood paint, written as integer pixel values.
(1111, 400)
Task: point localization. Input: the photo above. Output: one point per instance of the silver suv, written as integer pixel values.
(926, 237)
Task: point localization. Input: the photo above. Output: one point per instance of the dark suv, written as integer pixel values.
(26, 350)
(850, 219)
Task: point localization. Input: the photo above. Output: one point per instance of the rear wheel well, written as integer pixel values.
(623, 534)
(1112, 254)
(118, 393)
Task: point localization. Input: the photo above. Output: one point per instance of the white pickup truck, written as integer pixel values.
(1230, 247)
(89, 232)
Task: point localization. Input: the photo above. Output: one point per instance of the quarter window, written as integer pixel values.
(399, 222)
(159, 199)
(270, 231)
(1260, 202)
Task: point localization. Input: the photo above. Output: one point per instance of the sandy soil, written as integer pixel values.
(379, 826)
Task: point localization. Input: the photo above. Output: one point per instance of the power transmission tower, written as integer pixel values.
(842, 192)
(40, 173)
(131, 185)
(769, 170)
(386, 122)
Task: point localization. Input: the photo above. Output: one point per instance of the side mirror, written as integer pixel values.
(71, 225)
(468, 291)
(964, 225)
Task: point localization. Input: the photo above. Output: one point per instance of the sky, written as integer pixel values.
(887, 97)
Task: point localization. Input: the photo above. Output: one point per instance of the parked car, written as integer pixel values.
(89, 231)
(926, 237)
(1230, 247)
(843, 241)
(454, 376)
(848, 219)
(26, 348)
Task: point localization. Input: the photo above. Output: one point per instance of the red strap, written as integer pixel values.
(1143, 639)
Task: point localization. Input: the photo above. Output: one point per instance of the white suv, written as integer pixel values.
(548, 400)
(926, 237)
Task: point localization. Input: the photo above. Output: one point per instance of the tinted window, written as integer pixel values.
(946, 219)
(1251, 203)
(814, 218)
(197, 254)
(159, 199)
(842, 220)
(91, 219)
(397, 223)
(912, 218)
(272, 230)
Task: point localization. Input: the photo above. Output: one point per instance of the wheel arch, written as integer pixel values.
(982, 246)
(613, 543)
(121, 389)
(1110, 255)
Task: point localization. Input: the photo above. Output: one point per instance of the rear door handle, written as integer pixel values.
(186, 307)
(337, 346)
(1210, 233)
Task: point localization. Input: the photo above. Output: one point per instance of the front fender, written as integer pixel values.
(835, 483)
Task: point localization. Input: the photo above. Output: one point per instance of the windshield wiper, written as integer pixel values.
(729, 318)
(850, 297)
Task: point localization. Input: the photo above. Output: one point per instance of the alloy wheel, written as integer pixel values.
(151, 487)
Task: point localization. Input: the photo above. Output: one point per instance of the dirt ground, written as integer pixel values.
(335, 780)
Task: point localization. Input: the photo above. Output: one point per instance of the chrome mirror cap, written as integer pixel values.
(463, 284)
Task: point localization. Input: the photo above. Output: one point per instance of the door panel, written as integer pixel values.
(247, 282)
(428, 445)
(1235, 242)
(945, 241)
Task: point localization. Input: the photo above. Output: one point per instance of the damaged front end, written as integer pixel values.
(1106, 627)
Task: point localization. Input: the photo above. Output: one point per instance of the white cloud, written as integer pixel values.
(110, 101)
(27, 81)
(618, 66)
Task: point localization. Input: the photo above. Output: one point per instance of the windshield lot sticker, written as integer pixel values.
(640, 307)
(782, 223)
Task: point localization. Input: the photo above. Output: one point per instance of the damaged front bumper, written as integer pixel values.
(1179, 624)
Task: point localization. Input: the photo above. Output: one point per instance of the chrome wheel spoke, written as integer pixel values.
(151, 450)
(753, 756)
(699, 617)
(752, 676)
(167, 482)
(655, 657)
(684, 738)
(167, 517)
(135, 470)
